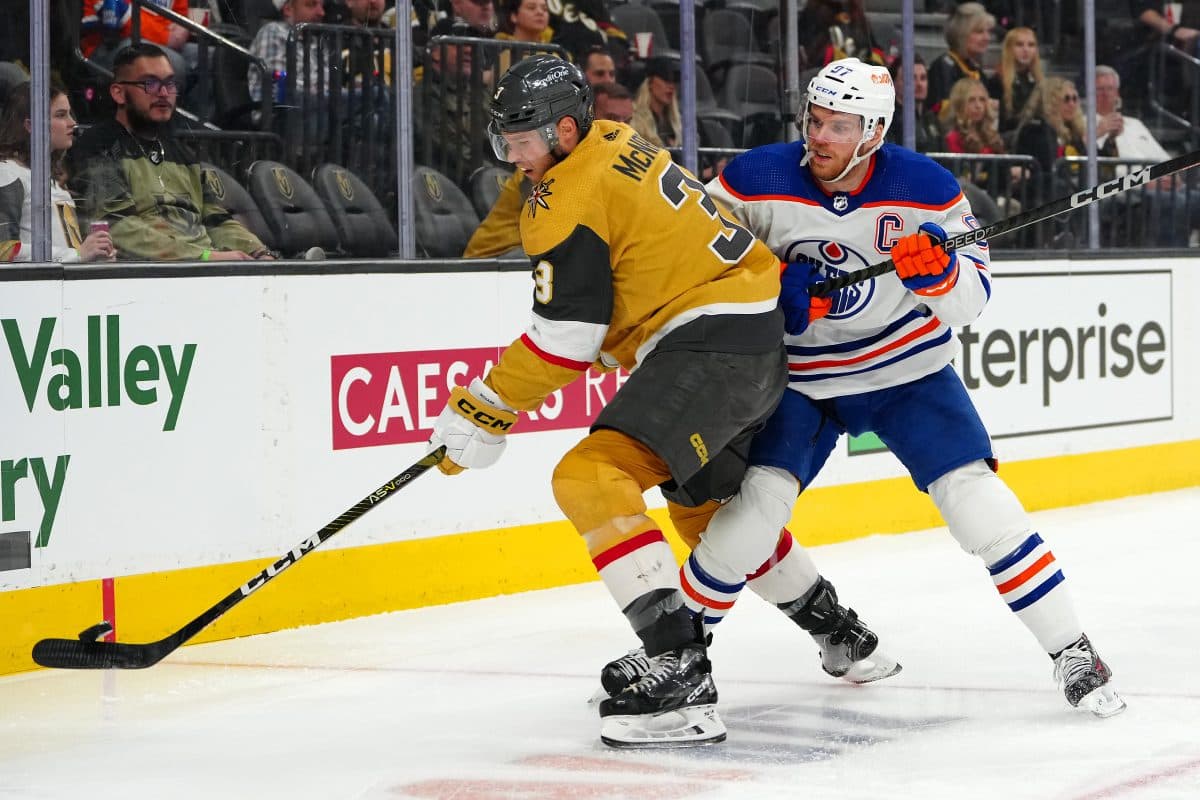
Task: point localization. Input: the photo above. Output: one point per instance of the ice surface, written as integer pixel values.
(487, 699)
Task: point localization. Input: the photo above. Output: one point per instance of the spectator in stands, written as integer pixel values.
(478, 15)
(108, 25)
(132, 173)
(270, 44)
(613, 102)
(1174, 210)
(1154, 18)
(598, 66)
(836, 29)
(1020, 70)
(582, 24)
(968, 34)
(1050, 127)
(449, 128)
(365, 13)
(67, 243)
(969, 119)
(656, 107)
(525, 21)
(1157, 23)
(929, 130)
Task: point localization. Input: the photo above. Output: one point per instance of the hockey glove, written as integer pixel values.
(472, 426)
(799, 307)
(923, 266)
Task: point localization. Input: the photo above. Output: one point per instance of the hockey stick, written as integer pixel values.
(87, 652)
(1033, 216)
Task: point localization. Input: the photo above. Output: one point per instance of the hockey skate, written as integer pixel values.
(849, 649)
(1084, 679)
(673, 704)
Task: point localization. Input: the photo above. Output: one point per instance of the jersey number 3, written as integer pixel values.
(734, 241)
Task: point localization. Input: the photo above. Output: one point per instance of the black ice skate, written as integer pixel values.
(1084, 679)
(618, 674)
(671, 705)
(849, 649)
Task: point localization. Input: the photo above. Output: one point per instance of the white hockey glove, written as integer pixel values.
(473, 427)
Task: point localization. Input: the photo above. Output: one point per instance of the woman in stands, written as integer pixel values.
(526, 21)
(969, 119)
(523, 21)
(16, 228)
(1020, 71)
(968, 34)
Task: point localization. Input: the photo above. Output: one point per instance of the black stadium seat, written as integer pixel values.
(294, 213)
(362, 224)
(234, 198)
(485, 184)
(443, 215)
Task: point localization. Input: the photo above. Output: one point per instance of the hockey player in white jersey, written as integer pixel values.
(879, 357)
(874, 357)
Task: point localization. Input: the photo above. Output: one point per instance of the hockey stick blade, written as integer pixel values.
(89, 653)
(1084, 197)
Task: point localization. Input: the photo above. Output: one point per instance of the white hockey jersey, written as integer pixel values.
(878, 334)
(16, 218)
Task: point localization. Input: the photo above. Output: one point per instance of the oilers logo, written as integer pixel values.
(835, 259)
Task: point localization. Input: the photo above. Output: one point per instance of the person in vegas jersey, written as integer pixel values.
(633, 266)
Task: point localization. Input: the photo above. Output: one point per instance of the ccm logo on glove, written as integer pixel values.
(461, 401)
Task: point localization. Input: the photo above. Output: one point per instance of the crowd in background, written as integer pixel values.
(314, 81)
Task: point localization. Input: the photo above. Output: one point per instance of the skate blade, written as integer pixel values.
(597, 696)
(875, 668)
(1103, 701)
(685, 727)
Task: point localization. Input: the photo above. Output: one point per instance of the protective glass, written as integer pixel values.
(523, 145)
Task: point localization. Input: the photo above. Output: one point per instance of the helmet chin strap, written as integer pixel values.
(855, 160)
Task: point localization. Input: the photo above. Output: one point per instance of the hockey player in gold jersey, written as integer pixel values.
(633, 265)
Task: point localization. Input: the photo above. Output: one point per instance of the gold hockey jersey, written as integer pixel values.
(627, 249)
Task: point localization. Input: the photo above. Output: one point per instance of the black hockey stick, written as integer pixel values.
(87, 652)
(1033, 216)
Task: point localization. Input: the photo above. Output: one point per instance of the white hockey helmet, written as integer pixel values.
(852, 87)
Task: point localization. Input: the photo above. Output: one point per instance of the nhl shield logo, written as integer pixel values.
(214, 183)
(841, 202)
(282, 183)
(345, 188)
(433, 188)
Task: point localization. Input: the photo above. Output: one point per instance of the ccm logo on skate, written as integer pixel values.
(481, 418)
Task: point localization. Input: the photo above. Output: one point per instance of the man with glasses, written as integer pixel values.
(132, 173)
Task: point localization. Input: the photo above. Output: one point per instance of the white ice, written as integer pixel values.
(487, 699)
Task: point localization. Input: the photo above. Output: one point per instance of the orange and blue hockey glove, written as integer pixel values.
(799, 307)
(923, 266)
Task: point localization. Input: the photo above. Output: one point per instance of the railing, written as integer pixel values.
(1163, 59)
(999, 186)
(206, 41)
(232, 151)
(458, 74)
(1159, 215)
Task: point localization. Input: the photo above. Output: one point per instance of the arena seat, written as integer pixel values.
(363, 227)
(294, 213)
(443, 215)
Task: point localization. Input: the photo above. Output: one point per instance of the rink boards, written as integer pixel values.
(167, 436)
